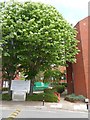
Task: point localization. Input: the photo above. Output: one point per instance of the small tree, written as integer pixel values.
(36, 36)
(52, 75)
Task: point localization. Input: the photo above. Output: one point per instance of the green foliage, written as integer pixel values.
(6, 97)
(48, 97)
(48, 90)
(53, 84)
(39, 76)
(39, 97)
(60, 88)
(4, 89)
(51, 98)
(35, 97)
(64, 84)
(35, 35)
(22, 77)
(74, 98)
(55, 74)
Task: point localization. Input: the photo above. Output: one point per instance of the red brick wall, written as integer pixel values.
(70, 87)
(80, 69)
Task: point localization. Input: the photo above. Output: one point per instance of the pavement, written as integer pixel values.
(65, 105)
(62, 105)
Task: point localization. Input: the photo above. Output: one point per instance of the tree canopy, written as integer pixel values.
(36, 36)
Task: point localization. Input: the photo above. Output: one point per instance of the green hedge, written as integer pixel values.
(4, 89)
(6, 96)
(74, 98)
(60, 89)
(48, 90)
(35, 97)
(39, 97)
(54, 84)
(64, 84)
(51, 98)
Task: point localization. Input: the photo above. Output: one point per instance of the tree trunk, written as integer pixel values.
(31, 86)
(9, 91)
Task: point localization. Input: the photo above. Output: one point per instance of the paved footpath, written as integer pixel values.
(63, 105)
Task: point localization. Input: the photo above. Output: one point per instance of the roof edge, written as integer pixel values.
(82, 20)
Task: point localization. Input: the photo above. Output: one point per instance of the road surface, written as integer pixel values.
(41, 112)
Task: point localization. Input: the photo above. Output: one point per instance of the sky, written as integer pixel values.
(72, 10)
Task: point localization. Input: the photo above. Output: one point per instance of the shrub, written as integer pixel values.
(35, 97)
(60, 88)
(48, 90)
(51, 98)
(81, 98)
(6, 96)
(74, 98)
(39, 97)
(64, 84)
(4, 89)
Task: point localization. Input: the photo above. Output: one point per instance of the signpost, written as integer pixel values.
(19, 89)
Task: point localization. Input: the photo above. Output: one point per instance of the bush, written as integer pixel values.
(64, 84)
(81, 98)
(39, 97)
(51, 98)
(74, 98)
(48, 90)
(53, 84)
(4, 89)
(60, 88)
(35, 97)
(6, 96)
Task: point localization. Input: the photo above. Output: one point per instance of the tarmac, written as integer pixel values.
(62, 105)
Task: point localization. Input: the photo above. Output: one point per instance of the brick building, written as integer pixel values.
(78, 73)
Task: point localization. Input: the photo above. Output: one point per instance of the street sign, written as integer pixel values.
(19, 96)
(19, 89)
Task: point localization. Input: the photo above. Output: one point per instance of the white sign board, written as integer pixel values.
(19, 96)
(20, 85)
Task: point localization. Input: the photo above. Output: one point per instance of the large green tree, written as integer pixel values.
(36, 37)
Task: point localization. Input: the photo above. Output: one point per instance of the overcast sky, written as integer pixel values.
(72, 10)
